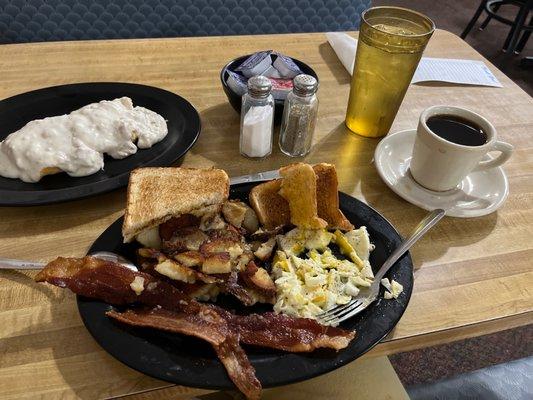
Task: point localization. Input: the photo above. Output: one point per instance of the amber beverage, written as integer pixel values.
(390, 45)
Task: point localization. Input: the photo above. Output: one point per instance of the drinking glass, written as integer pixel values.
(390, 45)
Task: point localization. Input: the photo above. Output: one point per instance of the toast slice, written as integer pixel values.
(299, 188)
(158, 194)
(327, 189)
(271, 208)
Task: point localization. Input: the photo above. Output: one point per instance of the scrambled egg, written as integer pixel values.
(393, 288)
(310, 279)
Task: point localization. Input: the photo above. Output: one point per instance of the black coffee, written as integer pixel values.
(457, 130)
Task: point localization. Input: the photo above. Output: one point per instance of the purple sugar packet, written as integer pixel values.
(237, 83)
(256, 64)
(272, 72)
(286, 67)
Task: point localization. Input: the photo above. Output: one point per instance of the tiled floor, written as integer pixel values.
(454, 15)
(444, 361)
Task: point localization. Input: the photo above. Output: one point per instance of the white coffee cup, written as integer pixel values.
(440, 165)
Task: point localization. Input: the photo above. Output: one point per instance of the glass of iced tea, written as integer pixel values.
(391, 42)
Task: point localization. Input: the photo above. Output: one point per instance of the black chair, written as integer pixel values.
(513, 42)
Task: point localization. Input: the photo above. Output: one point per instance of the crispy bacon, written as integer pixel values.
(229, 233)
(110, 282)
(174, 311)
(206, 324)
(168, 228)
(184, 239)
(258, 280)
(209, 326)
(238, 366)
(286, 333)
(229, 283)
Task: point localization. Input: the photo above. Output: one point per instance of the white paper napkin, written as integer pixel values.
(466, 72)
(344, 46)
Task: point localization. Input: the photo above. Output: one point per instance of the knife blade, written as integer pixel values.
(257, 177)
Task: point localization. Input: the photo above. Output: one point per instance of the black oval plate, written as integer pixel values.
(191, 362)
(183, 129)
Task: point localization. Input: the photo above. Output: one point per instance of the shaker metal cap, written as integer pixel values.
(305, 85)
(259, 86)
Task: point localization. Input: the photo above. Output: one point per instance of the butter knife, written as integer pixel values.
(258, 177)
(8, 263)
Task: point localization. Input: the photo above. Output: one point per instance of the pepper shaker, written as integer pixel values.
(299, 117)
(257, 118)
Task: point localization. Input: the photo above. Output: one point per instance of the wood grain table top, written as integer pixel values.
(473, 276)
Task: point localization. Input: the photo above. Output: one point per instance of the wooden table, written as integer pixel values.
(473, 275)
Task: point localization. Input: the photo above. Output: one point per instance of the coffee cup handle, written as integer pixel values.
(505, 150)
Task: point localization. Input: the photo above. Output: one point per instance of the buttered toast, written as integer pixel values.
(298, 187)
(273, 209)
(327, 189)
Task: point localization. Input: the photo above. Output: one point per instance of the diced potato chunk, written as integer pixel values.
(234, 212)
(243, 260)
(263, 280)
(250, 222)
(233, 248)
(217, 263)
(265, 250)
(150, 238)
(175, 271)
(190, 258)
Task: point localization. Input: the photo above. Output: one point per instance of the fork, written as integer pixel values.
(368, 295)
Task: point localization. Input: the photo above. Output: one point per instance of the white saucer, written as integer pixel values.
(480, 193)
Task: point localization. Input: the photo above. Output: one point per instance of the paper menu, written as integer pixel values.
(466, 72)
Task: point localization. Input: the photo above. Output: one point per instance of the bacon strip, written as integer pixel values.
(286, 333)
(205, 325)
(229, 283)
(239, 369)
(168, 228)
(258, 281)
(110, 282)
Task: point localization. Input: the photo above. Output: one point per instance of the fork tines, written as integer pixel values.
(341, 312)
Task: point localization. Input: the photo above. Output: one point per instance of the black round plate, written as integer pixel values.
(183, 130)
(191, 362)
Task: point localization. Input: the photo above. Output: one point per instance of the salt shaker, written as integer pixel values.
(257, 118)
(299, 117)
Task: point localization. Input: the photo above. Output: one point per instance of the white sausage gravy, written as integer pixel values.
(76, 143)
